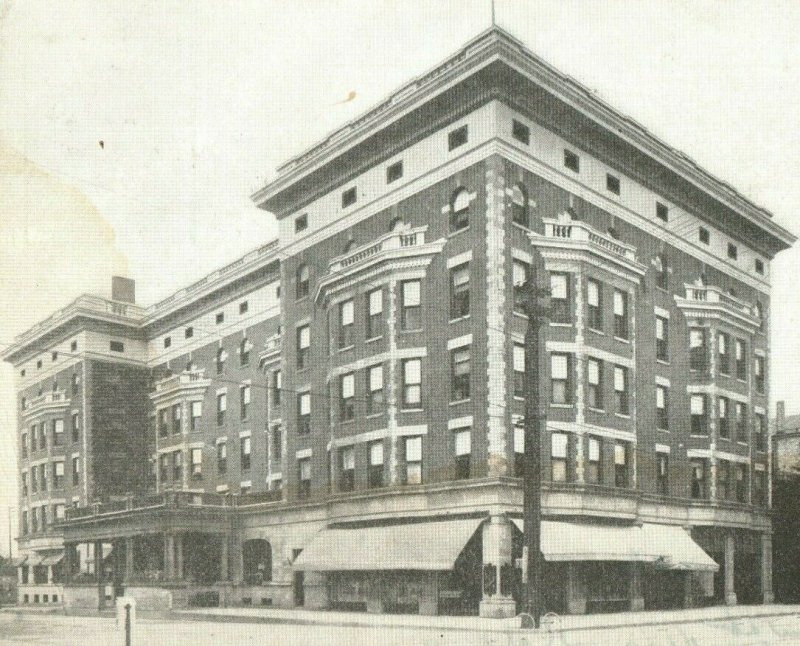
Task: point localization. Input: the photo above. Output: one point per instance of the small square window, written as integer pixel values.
(662, 211)
(733, 252)
(520, 132)
(457, 137)
(759, 266)
(349, 197)
(188, 333)
(54, 356)
(39, 363)
(22, 372)
(394, 172)
(116, 346)
(167, 341)
(572, 161)
(612, 183)
(73, 346)
(704, 235)
(220, 317)
(243, 307)
(301, 223)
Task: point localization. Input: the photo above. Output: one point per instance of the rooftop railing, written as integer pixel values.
(582, 232)
(51, 397)
(711, 294)
(389, 242)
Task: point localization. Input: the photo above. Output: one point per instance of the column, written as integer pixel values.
(179, 556)
(497, 543)
(98, 568)
(576, 589)
(129, 547)
(237, 560)
(223, 559)
(637, 597)
(688, 588)
(767, 594)
(169, 556)
(730, 589)
(69, 562)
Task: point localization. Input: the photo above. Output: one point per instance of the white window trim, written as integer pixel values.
(459, 259)
(302, 454)
(459, 422)
(459, 342)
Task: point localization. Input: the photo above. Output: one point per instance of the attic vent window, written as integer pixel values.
(73, 346)
(349, 197)
(116, 346)
(520, 132)
(457, 137)
(759, 266)
(220, 317)
(572, 161)
(662, 212)
(167, 341)
(188, 333)
(394, 172)
(733, 252)
(704, 235)
(301, 223)
(243, 307)
(612, 183)
(54, 356)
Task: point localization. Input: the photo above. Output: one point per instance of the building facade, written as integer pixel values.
(348, 399)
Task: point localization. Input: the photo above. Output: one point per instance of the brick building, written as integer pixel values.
(347, 400)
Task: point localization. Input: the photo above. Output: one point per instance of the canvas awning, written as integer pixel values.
(665, 546)
(426, 546)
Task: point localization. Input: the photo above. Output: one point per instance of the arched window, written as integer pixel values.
(519, 205)
(303, 275)
(257, 561)
(396, 224)
(190, 367)
(459, 210)
(55, 386)
(221, 357)
(351, 244)
(759, 313)
(662, 273)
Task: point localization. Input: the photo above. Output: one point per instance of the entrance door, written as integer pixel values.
(299, 592)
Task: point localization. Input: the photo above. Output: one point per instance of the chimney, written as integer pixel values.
(123, 289)
(780, 417)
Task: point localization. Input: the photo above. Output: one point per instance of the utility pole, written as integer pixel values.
(9, 533)
(532, 464)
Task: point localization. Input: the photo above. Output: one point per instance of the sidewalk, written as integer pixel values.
(553, 624)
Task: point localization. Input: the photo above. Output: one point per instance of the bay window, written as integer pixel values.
(346, 319)
(697, 349)
(620, 314)
(374, 313)
(559, 298)
(411, 305)
(594, 299)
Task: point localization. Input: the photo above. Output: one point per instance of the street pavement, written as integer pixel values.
(744, 625)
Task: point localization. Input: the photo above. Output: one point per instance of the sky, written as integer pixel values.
(197, 102)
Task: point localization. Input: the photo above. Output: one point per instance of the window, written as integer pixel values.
(394, 172)
(620, 314)
(662, 339)
(760, 488)
(304, 413)
(413, 460)
(733, 252)
(697, 405)
(761, 432)
(24, 445)
(662, 272)
(698, 486)
(34, 479)
(197, 413)
(25, 484)
(73, 347)
(349, 197)
(374, 313)
(23, 403)
(196, 456)
(741, 483)
(277, 443)
(244, 401)
(559, 298)
(703, 235)
(38, 363)
(375, 389)
(741, 422)
(244, 453)
(662, 417)
(519, 450)
(662, 211)
(304, 478)
(519, 370)
(459, 210)
(410, 317)
(741, 359)
(220, 318)
(724, 428)
(176, 419)
(463, 453)
(723, 357)
(303, 346)
(167, 341)
(43, 476)
(58, 514)
(723, 479)
(620, 464)
(412, 383)
(76, 471)
(188, 333)
(244, 352)
(519, 206)
(25, 567)
(558, 457)
(572, 161)
(303, 278)
(222, 457)
(662, 473)
(594, 369)
(43, 435)
(520, 132)
(612, 183)
(459, 374)
(177, 466)
(275, 387)
(346, 318)
(560, 391)
(222, 356)
(347, 397)
(301, 223)
(459, 291)
(594, 299)
(75, 383)
(519, 278)
(58, 432)
(163, 422)
(457, 137)
(759, 266)
(347, 469)
(375, 464)
(621, 390)
(759, 314)
(697, 349)
(594, 474)
(222, 406)
(116, 346)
